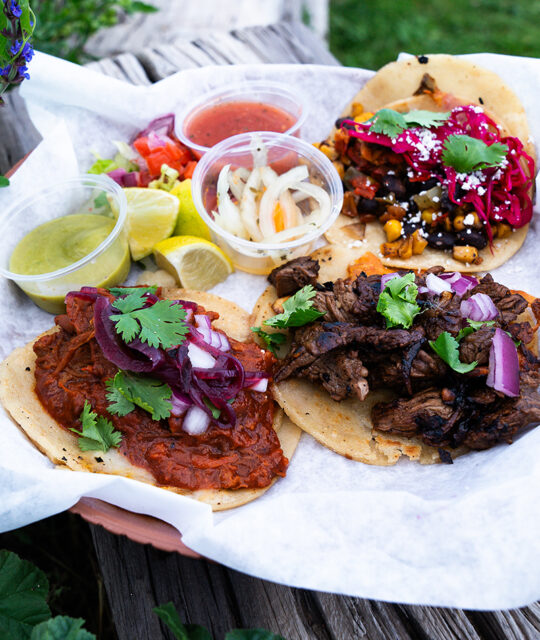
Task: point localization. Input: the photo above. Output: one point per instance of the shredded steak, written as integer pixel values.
(349, 351)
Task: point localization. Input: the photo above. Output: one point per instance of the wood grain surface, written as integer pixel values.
(139, 577)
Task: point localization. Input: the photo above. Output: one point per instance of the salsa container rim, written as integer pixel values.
(103, 182)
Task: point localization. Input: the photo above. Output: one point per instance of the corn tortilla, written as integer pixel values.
(18, 396)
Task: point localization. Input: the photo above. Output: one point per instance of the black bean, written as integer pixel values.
(340, 122)
(415, 187)
(441, 240)
(446, 203)
(392, 184)
(410, 227)
(473, 238)
(364, 205)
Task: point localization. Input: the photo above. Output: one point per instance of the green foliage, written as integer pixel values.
(4, 182)
(61, 628)
(397, 302)
(252, 634)
(65, 26)
(447, 348)
(297, 310)
(23, 592)
(126, 390)
(273, 340)
(160, 325)
(371, 33)
(98, 433)
(468, 154)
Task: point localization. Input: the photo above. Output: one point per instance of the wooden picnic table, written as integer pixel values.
(139, 577)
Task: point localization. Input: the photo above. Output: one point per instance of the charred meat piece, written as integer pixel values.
(294, 275)
(351, 300)
(443, 315)
(475, 347)
(509, 304)
(342, 374)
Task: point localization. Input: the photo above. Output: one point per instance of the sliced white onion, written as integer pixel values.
(237, 184)
(200, 358)
(292, 215)
(248, 204)
(268, 175)
(298, 196)
(259, 151)
(228, 216)
(196, 421)
(317, 193)
(213, 338)
(268, 201)
(291, 234)
(260, 385)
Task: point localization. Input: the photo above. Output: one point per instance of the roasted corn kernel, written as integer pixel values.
(398, 249)
(427, 215)
(393, 229)
(465, 253)
(362, 117)
(419, 243)
(338, 166)
(357, 109)
(503, 230)
(477, 222)
(328, 151)
(447, 224)
(458, 223)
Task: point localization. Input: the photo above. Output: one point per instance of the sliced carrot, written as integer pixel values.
(368, 264)
(279, 218)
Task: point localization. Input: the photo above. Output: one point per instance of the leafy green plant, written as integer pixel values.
(64, 27)
(24, 612)
(169, 615)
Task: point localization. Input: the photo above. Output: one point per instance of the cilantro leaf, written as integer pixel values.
(426, 119)
(169, 615)
(397, 302)
(23, 592)
(148, 393)
(272, 340)
(101, 201)
(123, 291)
(297, 310)
(388, 122)
(98, 433)
(474, 325)
(61, 628)
(215, 411)
(466, 154)
(447, 348)
(160, 325)
(120, 405)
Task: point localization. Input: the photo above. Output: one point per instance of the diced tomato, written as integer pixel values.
(141, 145)
(190, 168)
(364, 186)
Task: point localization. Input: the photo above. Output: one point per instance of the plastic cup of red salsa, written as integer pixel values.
(284, 153)
(240, 108)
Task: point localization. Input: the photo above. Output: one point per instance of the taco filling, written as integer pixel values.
(449, 180)
(156, 380)
(455, 352)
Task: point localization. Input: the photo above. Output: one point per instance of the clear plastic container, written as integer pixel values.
(284, 153)
(82, 196)
(266, 93)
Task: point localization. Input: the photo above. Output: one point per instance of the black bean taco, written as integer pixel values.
(381, 363)
(438, 166)
(174, 395)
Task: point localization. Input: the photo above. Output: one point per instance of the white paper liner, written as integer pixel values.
(465, 535)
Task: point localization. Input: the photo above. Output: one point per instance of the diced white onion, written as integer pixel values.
(260, 385)
(200, 358)
(196, 421)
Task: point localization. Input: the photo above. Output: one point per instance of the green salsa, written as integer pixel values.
(61, 242)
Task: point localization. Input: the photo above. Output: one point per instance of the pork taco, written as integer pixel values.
(438, 166)
(174, 395)
(381, 364)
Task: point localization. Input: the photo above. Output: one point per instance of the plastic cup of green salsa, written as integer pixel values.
(69, 235)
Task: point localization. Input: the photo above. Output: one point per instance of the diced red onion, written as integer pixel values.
(479, 307)
(260, 385)
(196, 421)
(459, 282)
(386, 277)
(503, 373)
(163, 125)
(180, 404)
(437, 285)
(214, 338)
(124, 178)
(199, 358)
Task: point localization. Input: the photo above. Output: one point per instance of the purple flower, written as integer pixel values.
(23, 72)
(27, 52)
(15, 47)
(15, 9)
(4, 72)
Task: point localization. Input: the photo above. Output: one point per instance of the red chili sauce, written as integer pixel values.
(71, 368)
(215, 123)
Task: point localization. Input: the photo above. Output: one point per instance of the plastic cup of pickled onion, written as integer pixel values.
(240, 108)
(284, 194)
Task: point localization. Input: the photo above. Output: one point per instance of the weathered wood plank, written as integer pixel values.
(439, 624)
(18, 136)
(514, 624)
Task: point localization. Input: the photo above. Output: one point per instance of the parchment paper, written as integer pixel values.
(463, 535)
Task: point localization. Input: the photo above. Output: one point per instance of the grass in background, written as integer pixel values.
(370, 33)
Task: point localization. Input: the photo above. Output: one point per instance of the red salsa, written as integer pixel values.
(71, 368)
(220, 121)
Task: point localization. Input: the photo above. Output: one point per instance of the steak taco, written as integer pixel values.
(385, 363)
(438, 166)
(151, 385)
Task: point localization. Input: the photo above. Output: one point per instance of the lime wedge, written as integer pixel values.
(189, 222)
